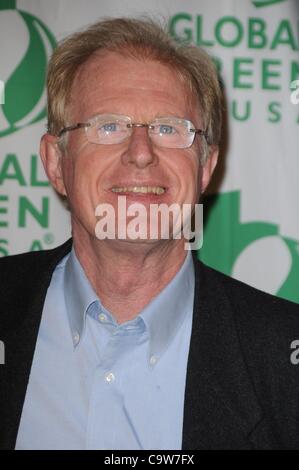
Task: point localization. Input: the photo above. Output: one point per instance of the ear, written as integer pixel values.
(51, 157)
(209, 166)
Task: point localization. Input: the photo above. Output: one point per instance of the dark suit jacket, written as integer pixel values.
(242, 391)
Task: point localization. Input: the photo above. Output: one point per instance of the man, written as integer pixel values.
(123, 343)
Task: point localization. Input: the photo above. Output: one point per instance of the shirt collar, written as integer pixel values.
(165, 314)
(162, 316)
(79, 294)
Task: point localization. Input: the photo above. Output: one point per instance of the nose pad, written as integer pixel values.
(141, 131)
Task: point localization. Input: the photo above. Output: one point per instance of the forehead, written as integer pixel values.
(110, 82)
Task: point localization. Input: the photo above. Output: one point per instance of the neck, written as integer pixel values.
(125, 275)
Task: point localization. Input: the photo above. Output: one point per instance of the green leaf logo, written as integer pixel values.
(265, 3)
(24, 70)
(230, 245)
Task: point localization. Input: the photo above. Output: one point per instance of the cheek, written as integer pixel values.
(85, 176)
(77, 177)
(67, 172)
(188, 171)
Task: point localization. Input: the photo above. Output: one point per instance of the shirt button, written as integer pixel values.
(76, 338)
(102, 317)
(109, 377)
(153, 360)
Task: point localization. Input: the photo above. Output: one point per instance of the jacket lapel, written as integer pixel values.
(221, 408)
(19, 329)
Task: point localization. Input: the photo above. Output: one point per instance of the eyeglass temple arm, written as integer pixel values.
(79, 125)
(201, 132)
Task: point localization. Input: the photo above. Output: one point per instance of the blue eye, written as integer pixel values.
(166, 129)
(109, 127)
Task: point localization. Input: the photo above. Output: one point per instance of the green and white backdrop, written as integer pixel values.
(252, 220)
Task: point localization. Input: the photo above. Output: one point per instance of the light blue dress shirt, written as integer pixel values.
(97, 384)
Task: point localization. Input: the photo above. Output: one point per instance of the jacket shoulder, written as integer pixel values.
(14, 266)
(267, 329)
(25, 278)
(252, 303)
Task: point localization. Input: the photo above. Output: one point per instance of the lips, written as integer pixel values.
(158, 190)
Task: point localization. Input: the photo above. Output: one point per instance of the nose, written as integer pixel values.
(140, 150)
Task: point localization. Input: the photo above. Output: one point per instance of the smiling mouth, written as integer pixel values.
(140, 189)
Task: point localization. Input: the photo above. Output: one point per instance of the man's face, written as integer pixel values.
(142, 90)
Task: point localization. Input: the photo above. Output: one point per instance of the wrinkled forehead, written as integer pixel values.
(110, 76)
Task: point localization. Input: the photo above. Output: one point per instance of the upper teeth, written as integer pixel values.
(140, 189)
